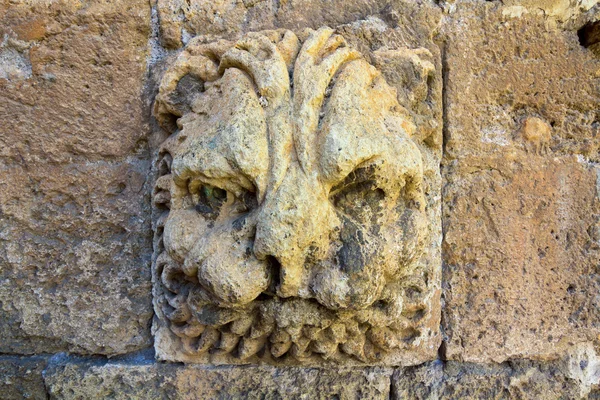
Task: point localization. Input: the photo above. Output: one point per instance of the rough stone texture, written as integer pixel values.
(146, 380)
(521, 210)
(510, 380)
(74, 230)
(181, 20)
(576, 376)
(566, 14)
(88, 63)
(74, 274)
(496, 78)
(21, 378)
(360, 289)
(521, 257)
(521, 197)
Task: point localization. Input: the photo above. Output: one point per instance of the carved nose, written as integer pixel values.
(281, 238)
(294, 218)
(285, 283)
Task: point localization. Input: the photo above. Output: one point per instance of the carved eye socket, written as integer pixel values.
(210, 200)
(214, 194)
(359, 197)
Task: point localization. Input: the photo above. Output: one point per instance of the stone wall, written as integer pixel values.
(504, 104)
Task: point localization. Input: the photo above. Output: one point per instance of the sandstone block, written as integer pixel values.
(181, 20)
(556, 13)
(499, 77)
(521, 199)
(71, 78)
(521, 259)
(518, 379)
(147, 380)
(74, 264)
(74, 217)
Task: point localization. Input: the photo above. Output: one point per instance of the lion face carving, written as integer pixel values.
(293, 202)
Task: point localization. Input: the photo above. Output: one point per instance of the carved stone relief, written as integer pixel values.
(293, 207)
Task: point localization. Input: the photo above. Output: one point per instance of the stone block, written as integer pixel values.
(21, 378)
(576, 375)
(521, 195)
(74, 258)
(555, 13)
(74, 216)
(503, 70)
(71, 79)
(181, 20)
(148, 380)
(521, 257)
(517, 379)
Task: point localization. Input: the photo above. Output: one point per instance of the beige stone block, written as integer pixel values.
(73, 79)
(74, 221)
(565, 14)
(502, 71)
(521, 257)
(181, 20)
(561, 11)
(153, 381)
(518, 379)
(521, 205)
(74, 264)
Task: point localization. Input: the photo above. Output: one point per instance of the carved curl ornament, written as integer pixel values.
(292, 204)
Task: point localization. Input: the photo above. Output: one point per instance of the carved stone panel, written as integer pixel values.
(297, 217)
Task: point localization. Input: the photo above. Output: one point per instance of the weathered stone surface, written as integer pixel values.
(140, 377)
(562, 13)
(81, 98)
(519, 379)
(147, 380)
(521, 68)
(521, 272)
(74, 216)
(300, 203)
(21, 378)
(74, 258)
(181, 20)
(418, 382)
(521, 199)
